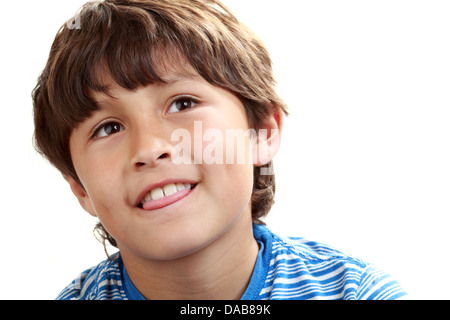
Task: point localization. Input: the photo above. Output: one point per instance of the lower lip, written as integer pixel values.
(166, 201)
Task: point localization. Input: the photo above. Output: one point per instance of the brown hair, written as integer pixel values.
(129, 39)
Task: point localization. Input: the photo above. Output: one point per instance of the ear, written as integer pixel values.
(269, 138)
(82, 196)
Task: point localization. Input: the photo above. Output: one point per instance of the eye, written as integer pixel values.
(182, 103)
(107, 129)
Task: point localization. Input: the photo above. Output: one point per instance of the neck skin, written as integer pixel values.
(221, 270)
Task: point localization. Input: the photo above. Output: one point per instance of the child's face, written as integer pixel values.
(124, 150)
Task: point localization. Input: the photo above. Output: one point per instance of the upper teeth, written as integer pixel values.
(167, 190)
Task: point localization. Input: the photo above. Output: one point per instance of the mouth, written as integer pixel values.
(162, 196)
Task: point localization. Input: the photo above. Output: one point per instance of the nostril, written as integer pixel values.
(140, 164)
(164, 156)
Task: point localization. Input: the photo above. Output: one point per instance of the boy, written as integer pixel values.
(142, 106)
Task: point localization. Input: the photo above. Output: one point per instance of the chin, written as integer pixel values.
(168, 245)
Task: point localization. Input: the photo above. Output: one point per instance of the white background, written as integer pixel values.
(364, 160)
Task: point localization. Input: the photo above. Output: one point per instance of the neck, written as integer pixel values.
(221, 270)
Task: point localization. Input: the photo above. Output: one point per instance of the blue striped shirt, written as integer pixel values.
(286, 268)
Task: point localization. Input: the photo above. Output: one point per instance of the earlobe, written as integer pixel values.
(82, 196)
(268, 139)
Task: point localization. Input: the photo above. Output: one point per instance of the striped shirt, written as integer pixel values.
(286, 268)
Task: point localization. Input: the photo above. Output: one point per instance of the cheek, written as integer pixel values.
(103, 167)
(223, 143)
(104, 184)
(230, 187)
(227, 154)
(110, 209)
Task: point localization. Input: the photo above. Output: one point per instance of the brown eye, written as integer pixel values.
(108, 129)
(181, 104)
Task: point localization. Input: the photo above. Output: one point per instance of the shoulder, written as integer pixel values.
(101, 282)
(304, 269)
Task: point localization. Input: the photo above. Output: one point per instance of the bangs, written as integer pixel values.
(121, 45)
(135, 45)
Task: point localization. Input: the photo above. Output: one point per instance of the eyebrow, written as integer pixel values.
(175, 77)
(172, 78)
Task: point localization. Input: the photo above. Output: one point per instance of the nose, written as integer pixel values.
(150, 145)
